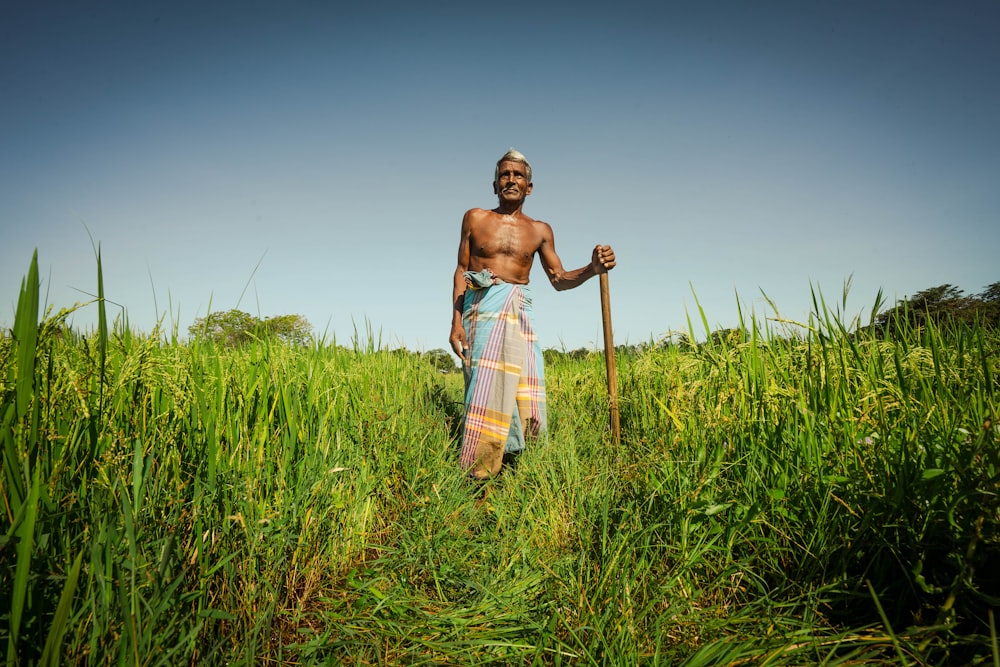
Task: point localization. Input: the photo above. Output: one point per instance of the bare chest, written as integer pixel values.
(508, 238)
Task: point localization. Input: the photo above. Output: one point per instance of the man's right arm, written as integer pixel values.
(457, 338)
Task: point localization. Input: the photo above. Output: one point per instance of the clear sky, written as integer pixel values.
(317, 157)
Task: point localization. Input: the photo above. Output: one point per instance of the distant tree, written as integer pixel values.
(231, 327)
(944, 304)
(441, 360)
(234, 327)
(991, 294)
(293, 329)
(943, 301)
(990, 305)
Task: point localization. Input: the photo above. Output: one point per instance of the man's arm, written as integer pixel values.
(457, 338)
(602, 260)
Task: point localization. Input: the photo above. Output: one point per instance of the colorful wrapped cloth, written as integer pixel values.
(503, 371)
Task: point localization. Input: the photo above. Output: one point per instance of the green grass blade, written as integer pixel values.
(102, 328)
(51, 653)
(994, 645)
(13, 489)
(25, 535)
(888, 626)
(26, 335)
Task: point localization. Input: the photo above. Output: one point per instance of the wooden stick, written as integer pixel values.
(609, 359)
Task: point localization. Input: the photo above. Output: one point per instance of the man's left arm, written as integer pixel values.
(602, 260)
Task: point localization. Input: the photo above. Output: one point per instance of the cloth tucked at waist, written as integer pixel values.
(504, 376)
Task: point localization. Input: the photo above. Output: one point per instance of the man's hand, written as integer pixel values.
(603, 259)
(457, 339)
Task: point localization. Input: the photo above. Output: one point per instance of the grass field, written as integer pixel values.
(776, 499)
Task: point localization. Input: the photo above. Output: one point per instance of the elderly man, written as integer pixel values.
(491, 328)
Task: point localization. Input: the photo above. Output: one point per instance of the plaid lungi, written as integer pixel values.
(504, 374)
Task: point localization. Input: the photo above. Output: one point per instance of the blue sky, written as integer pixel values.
(310, 158)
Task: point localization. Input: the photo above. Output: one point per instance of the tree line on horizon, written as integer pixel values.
(944, 305)
(941, 305)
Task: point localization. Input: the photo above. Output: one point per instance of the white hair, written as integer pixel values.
(513, 156)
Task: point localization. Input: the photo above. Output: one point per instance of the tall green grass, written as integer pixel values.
(784, 495)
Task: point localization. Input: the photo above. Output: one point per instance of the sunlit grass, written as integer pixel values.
(797, 496)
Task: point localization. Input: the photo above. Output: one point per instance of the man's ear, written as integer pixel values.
(495, 191)
(527, 190)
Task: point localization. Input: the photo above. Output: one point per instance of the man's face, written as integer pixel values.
(512, 182)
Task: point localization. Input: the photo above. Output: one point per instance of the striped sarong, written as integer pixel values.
(504, 376)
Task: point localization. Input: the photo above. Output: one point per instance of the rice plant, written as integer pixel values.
(784, 494)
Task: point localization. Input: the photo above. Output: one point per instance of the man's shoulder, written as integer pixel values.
(542, 228)
(475, 214)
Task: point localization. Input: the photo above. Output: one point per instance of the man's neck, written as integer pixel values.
(508, 209)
